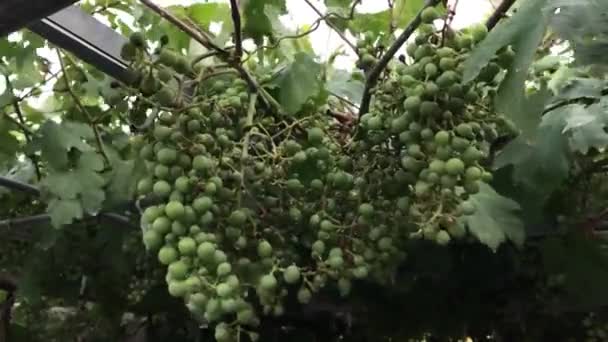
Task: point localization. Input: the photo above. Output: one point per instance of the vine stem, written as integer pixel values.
(245, 153)
(84, 111)
(236, 19)
(222, 53)
(333, 27)
(22, 124)
(499, 13)
(374, 73)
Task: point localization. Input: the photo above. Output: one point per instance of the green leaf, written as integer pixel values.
(257, 23)
(121, 183)
(583, 24)
(6, 97)
(587, 127)
(28, 74)
(205, 14)
(526, 110)
(83, 183)
(528, 18)
(64, 212)
(542, 162)
(495, 219)
(56, 140)
(511, 97)
(343, 84)
(375, 23)
(298, 82)
(579, 88)
(9, 145)
(405, 10)
(345, 4)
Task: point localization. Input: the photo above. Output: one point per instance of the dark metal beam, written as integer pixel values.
(15, 14)
(78, 32)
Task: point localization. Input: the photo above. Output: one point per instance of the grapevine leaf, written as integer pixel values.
(6, 97)
(578, 88)
(526, 20)
(82, 183)
(257, 22)
(64, 212)
(495, 219)
(587, 127)
(9, 144)
(548, 63)
(541, 163)
(405, 10)
(344, 4)
(205, 14)
(375, 23)
(342, 83)
(511, 98)
(584, 24)
(56, 140)
(121, 183)
(24, 63)
(298, 82)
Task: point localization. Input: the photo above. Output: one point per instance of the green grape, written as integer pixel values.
(291, 274)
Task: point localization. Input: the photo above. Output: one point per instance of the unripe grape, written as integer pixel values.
(304, 295)
(167, 255)
(454, 166)
(187, 246)
(264, 249)
(268, 282)
(291, 274)
(429, 15)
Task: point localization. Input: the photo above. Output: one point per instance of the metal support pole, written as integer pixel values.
(78, 32)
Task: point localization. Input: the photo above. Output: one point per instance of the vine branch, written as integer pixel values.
(333, 27)
(245, 152)
(222, 53)
(499, 13)
(84, 111)
(236, 19)
(374, 74)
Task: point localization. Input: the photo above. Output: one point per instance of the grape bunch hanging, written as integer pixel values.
(256, 206)
(436, 130)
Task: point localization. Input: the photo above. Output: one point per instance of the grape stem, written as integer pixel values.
(204, 40)
(20, 122)
(245, 153)
(330, 24)
(499, 13)
(236, 20)
(374, 73)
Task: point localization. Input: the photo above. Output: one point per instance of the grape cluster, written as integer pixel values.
(438, 128)
(256, 206)
(596, 330)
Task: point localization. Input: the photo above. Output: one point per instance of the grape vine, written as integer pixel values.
(237, 187)
(246, 190)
